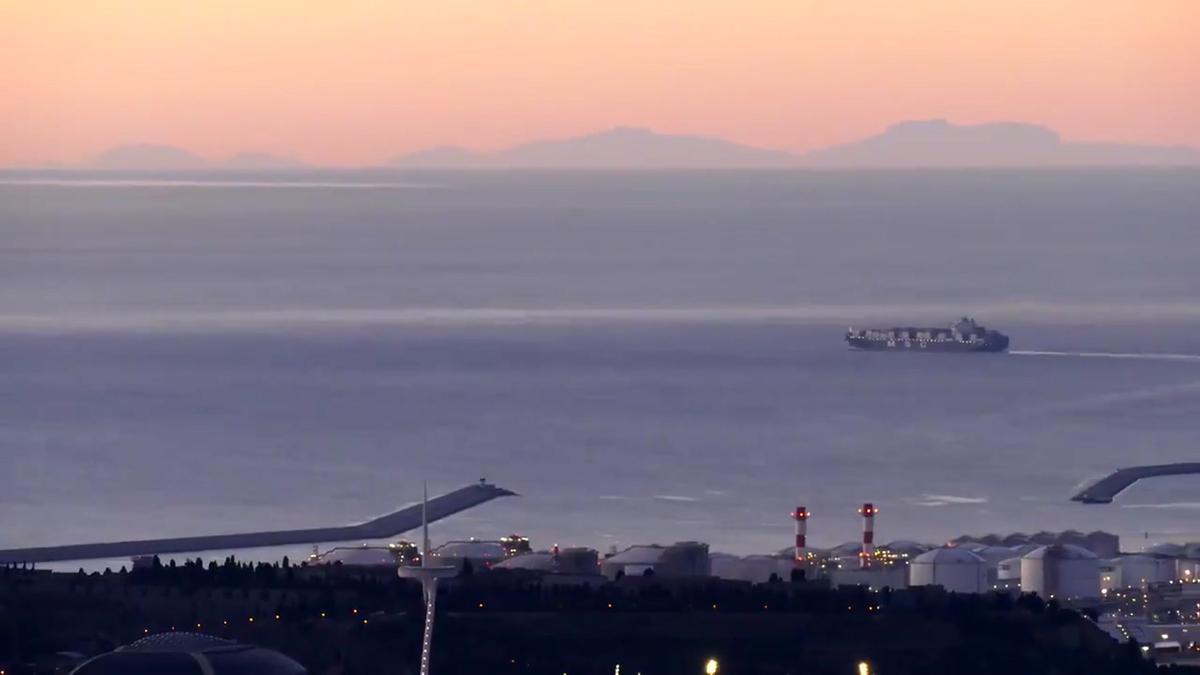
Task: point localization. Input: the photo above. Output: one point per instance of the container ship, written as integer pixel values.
(963, 335)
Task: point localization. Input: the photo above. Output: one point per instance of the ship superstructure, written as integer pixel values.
(964, 335)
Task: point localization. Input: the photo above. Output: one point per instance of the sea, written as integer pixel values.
(645, 357)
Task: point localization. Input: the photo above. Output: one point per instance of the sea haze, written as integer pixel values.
(644, 356)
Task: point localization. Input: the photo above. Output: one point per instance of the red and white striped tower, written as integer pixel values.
(868, 512)
(801, 516)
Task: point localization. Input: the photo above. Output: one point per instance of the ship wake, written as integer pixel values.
(1193, 358)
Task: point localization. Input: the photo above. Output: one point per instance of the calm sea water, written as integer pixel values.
(645, 357)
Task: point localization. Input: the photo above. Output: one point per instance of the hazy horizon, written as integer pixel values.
(915, 144)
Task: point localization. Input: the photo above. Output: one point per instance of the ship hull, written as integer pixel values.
(991, 345)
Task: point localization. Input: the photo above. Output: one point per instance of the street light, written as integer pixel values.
(710, 668)
(864, 668)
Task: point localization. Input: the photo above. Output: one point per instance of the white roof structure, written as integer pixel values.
(1060, 552)
(477, 550)
(529, 561)
(637, 555)
(912, 548)
(188, 654)
(1168, 548)
(362, 556)
(949, 556)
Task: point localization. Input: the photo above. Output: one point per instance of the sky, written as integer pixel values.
(355, 82)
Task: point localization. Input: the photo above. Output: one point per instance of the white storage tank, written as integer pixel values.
(1009, 570)
(726, 566)
(993, 557)
(1140, 570)
(1188, 570)
(682, 559)
(1110, 576)
(1061, 571)
(954, 569)
(754, 568)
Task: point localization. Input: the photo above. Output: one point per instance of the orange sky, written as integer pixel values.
(356, 81)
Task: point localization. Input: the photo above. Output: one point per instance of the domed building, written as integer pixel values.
(358, 556)
(479, 553)
(568, 561)
(189, 654)
(753, 568)
(1061, 571)
(954, 569)
(1140, 570)
(1168, 549)
(992, 555)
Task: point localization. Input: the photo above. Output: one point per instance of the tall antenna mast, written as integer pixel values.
(424, 523)
(428, 575)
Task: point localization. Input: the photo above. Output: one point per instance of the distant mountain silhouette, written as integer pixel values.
(938, 143)
(147, 156)
(251, 161)
(618, 148)
(441, 157)
(912, 144)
